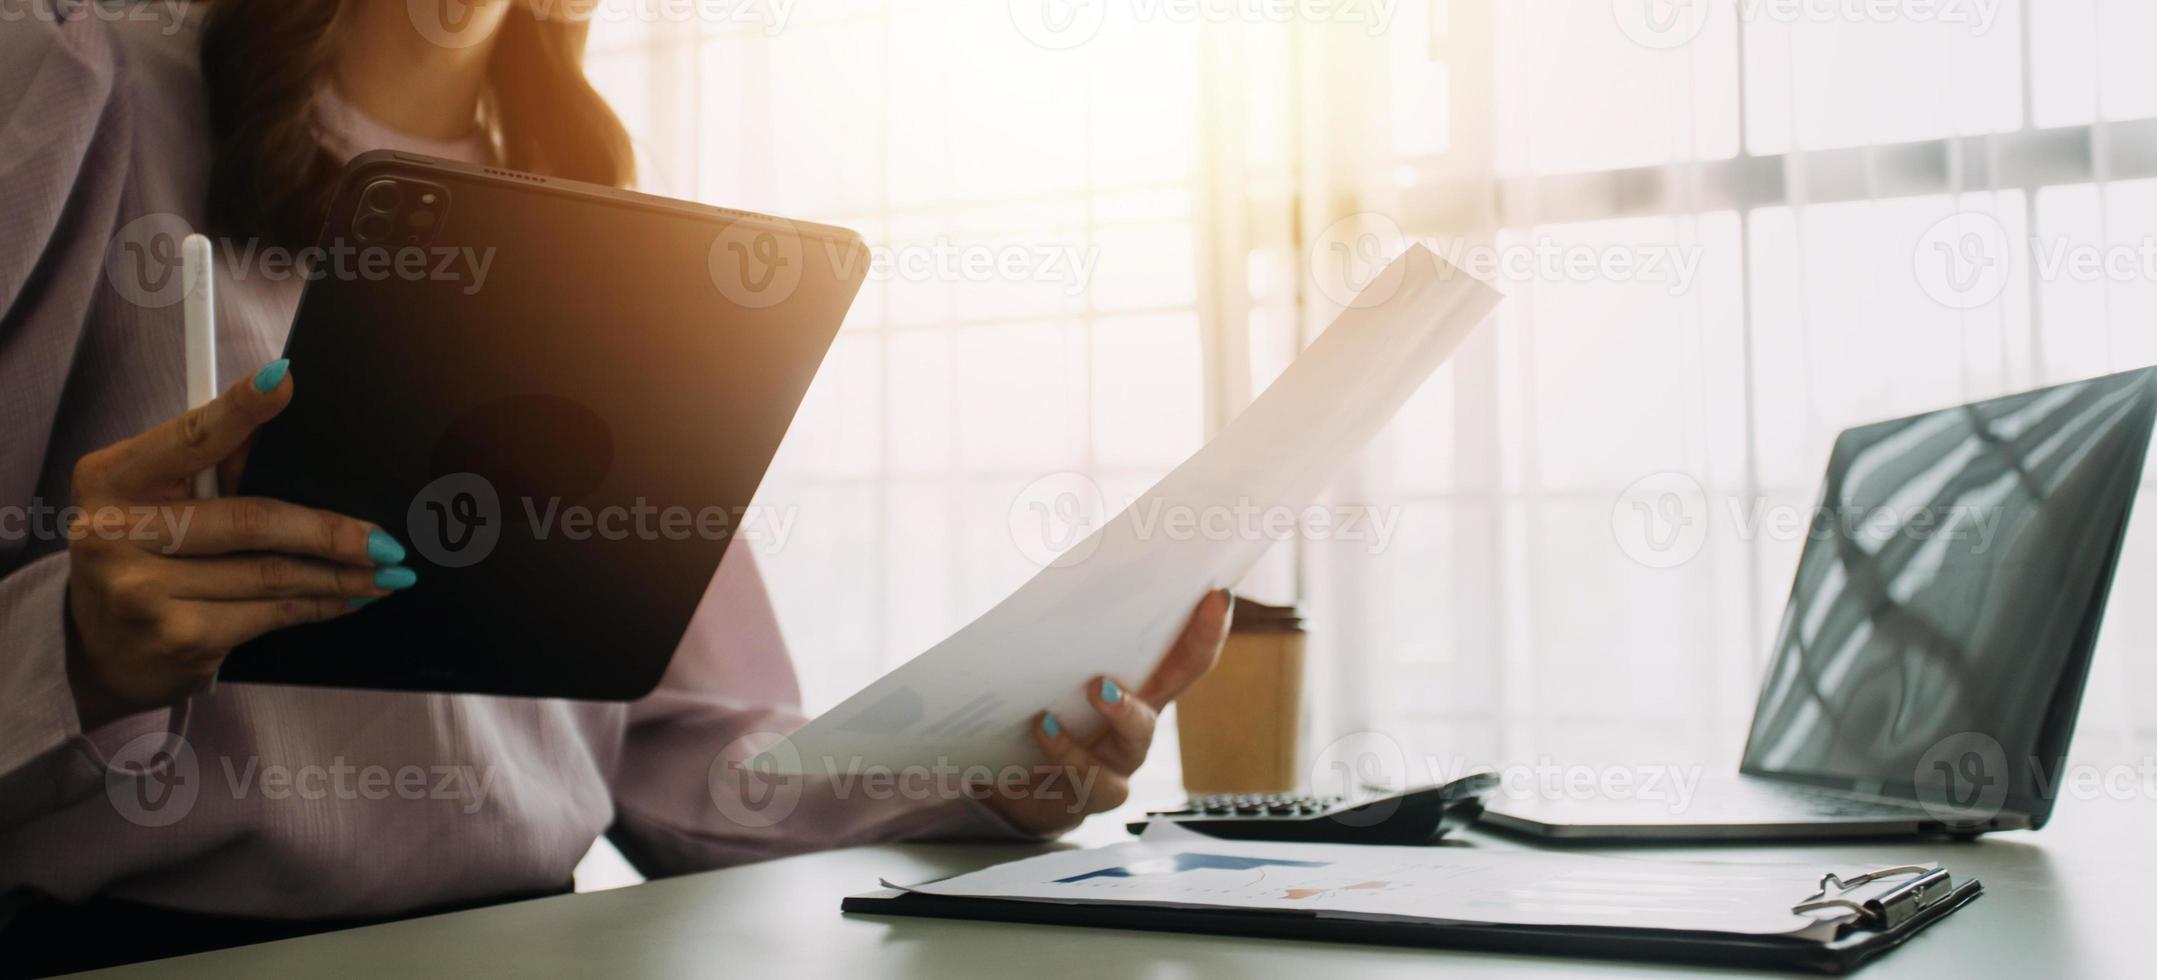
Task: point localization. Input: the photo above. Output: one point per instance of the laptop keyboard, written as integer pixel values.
(1811, 801)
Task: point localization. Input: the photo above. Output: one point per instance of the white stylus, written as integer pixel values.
(198, 276)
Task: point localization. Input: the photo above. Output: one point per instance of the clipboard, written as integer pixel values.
(1878, 925)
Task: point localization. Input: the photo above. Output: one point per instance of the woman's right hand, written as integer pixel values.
(161, 586)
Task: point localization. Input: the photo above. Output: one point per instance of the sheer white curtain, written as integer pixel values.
(1771, 221)
(1728, 228)
(1033, 310)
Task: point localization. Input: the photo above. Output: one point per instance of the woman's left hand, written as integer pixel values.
(1092, 775)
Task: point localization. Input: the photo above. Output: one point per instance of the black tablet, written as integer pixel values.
(561, 397)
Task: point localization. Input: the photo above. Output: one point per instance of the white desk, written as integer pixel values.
(2074, 900)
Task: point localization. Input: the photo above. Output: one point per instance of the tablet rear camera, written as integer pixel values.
(398, 212)
(382, 197)
(371, 227)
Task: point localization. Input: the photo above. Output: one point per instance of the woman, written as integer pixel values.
(235, 116)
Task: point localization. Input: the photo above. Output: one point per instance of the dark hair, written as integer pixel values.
(264, 60)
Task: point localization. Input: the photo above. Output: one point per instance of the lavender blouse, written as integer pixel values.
(291, 802)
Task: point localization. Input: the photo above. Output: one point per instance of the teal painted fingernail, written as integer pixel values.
(267, 379)
(1049, 726)
(1110, 693)
(383, 549)
(395, 577)
(365, 600)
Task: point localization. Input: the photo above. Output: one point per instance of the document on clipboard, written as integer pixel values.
(1116, 600)
(1773, 915)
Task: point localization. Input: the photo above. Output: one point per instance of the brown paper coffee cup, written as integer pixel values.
(1240, 727)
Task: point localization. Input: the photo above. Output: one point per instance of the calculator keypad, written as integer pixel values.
(1416, 816)
(1225, 805)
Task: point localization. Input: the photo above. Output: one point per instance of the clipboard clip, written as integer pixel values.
(1888, 909)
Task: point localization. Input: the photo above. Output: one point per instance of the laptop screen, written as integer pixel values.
(1948, 597)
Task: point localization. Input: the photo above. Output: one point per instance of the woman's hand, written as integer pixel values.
(162, 586)
(1095, 772)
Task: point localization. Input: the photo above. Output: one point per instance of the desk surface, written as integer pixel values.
(2074, 899)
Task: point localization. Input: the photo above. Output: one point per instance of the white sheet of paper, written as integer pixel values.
(1115, 601)
(1420, 883)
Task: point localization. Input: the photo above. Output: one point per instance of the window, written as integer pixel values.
(1032, 310)
(1728, 230)
(1876, 214)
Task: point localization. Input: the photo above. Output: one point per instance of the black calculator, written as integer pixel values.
(1417, 816)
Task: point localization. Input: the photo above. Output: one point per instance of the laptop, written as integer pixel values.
(1931, 659)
